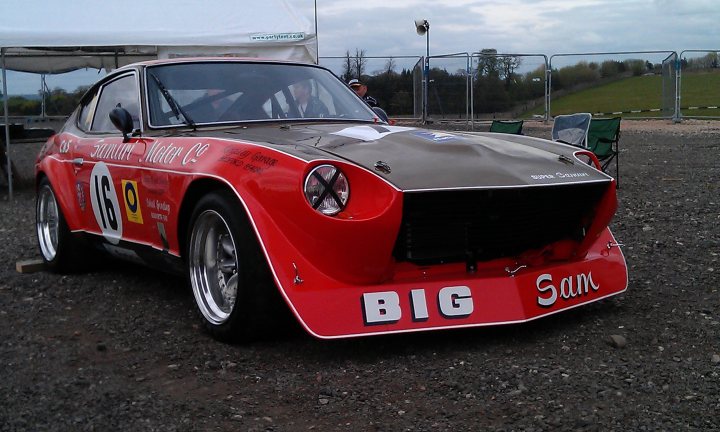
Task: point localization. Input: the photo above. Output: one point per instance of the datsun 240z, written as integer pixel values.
(267, 183)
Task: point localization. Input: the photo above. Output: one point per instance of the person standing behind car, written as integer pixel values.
(361, 90)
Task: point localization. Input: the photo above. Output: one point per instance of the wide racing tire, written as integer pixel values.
(229, 277)
(60, 250)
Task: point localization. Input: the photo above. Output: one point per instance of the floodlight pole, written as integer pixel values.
(423, 28)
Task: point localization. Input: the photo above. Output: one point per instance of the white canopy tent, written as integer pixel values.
(55, 37)
(130, 29)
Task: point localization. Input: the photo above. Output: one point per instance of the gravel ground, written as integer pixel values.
(121, 348)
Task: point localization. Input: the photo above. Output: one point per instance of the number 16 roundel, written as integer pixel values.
(105, 203)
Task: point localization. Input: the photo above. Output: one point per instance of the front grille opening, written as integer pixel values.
(448, 226)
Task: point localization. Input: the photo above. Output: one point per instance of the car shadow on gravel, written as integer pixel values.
(454, 341)
(173, 304)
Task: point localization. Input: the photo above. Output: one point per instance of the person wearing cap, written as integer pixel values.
(361, 90)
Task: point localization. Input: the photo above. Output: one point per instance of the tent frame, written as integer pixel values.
(6, 116)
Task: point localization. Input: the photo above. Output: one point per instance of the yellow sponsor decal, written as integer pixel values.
(132, 201)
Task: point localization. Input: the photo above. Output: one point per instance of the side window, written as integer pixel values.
(86, 111)
(124, 92)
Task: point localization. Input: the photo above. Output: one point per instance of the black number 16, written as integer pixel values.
(106, 205)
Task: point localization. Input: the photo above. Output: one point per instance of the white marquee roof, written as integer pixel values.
(54, 36)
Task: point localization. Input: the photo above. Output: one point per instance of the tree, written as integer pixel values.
(488, 63)
(609, 68)
(636, 66)
(347, 72)
(390, 66)
(708, 61)
(359, 63)
(508, 65)
(490, 93)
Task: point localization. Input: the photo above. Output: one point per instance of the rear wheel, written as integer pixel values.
(57, 244)
(228, 275)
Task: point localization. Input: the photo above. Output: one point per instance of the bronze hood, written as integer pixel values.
(421, 159)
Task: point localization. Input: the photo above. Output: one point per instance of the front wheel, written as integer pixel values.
(228, 275)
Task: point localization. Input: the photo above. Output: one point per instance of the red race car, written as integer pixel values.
(265, 179)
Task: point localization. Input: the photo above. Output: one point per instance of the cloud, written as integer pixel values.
(381, 27)
(385, 28)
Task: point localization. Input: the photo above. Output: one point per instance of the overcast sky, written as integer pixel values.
(386, 28)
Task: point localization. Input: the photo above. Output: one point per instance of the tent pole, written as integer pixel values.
(43, 85)
(7, 124)
(317, 41)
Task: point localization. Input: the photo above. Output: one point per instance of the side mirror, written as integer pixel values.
(381, 113)
(122, 120)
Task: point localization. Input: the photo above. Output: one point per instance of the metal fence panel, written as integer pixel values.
(669, 85)
(608, 84)
(508, 86)
(699, 84)
(417, 73)
(389, 79)
(449, 90)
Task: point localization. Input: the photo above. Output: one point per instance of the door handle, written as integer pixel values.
(78, 162)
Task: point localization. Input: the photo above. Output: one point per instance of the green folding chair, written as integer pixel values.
(507, 127)
(603, 140)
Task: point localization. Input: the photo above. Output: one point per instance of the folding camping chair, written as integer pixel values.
(603, 140)
(571, 129)
(507, 127)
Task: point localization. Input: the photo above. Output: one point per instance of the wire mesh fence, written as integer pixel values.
(390, 80)
(418, 80)
(507, 86)
(699, 84)
(490, 85)
(669, 85)
(449, 87)
(627, 84)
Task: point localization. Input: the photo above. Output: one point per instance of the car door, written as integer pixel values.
(108, 166)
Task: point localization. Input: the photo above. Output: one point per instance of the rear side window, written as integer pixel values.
(86, 111)
(122, 92)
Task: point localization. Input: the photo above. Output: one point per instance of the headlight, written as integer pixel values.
(327, 189)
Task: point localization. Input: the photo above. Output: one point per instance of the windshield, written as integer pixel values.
(222, 92)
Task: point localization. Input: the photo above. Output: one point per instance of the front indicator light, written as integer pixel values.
(327, 189)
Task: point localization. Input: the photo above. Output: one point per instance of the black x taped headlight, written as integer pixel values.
(327, 189)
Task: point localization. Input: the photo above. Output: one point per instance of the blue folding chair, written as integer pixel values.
(572, 129)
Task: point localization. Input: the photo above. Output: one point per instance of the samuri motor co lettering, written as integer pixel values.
(167, 154)
(112, 151)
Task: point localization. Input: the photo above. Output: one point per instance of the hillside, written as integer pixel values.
(699, 89)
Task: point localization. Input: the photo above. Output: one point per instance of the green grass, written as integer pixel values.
(641, 93)
(700, 89)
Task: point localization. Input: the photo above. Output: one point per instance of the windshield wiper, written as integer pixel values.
(174, 106)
